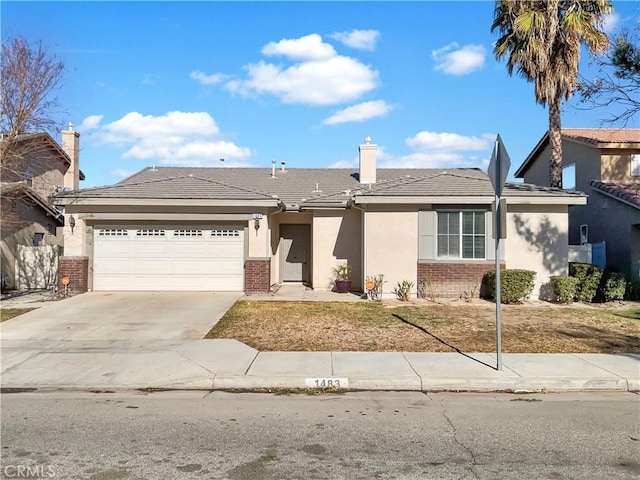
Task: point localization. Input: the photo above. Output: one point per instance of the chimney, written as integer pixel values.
(368, 161)
(71, 146)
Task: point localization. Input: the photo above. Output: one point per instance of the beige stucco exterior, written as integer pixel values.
(391, 244)
(336, 238)
(616, 166)
(537, 239)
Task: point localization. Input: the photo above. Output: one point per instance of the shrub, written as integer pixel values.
(588, 280)
(515, 285)
(633, 291)
(403, 290)
(564, 288)
(613, 286)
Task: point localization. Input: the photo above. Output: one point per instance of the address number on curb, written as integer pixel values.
(335, 383)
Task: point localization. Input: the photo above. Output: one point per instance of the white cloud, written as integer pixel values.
(456, 60)
(204, 79)
(121, 172)
(449, 142)
(328, 81)
(176, 138)
(149, 79)
(309, 47)
(360, 39)
(91, 122)
(359, 113)
(611, 23)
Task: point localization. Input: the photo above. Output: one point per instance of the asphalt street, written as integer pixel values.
(363, 435)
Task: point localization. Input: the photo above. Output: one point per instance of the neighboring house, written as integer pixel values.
(37, 168)
(248, 228)
(605, 164)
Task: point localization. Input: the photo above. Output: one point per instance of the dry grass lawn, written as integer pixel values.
(430, 327)
(9, 313)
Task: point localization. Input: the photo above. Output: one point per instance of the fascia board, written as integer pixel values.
(164, 202)
(172, 217)
(523, 200)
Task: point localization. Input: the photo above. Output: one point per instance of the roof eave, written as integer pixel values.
(177, 202)
(569, 199)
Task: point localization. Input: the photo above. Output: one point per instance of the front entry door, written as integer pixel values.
(295, 253)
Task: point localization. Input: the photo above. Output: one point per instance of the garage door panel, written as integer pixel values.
(169, 259)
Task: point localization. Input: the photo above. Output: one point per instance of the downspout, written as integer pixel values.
(352, 204)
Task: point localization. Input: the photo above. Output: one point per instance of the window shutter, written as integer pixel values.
(426, 235)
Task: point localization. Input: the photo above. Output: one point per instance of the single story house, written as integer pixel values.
(245, 229)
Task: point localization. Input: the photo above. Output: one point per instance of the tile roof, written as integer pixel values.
(597, 136)
(298, 186)
(628, 192)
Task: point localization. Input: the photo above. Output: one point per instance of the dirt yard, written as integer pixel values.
(423, 326)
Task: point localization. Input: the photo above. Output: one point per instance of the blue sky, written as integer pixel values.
(188, 83)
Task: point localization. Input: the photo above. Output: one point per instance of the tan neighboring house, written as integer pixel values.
(37, 170)
(244, 229)
(605, 164)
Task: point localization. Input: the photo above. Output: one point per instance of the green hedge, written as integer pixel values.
(588, 277)
(612, 286)
(564, 288)
(515, 285)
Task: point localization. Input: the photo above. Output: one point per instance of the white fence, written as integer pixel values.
(36, 267)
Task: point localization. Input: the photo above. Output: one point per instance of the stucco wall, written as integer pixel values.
(537, 240)
(31, 220)
(611, 221)
(585, 158)
(336, 239)
(47, 170)
(616, 166)
(391, 245)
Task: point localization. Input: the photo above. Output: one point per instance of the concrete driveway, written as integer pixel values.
(123, 316)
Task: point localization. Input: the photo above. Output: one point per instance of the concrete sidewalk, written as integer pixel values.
(229, 364)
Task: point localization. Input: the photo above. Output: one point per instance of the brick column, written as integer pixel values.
(77, 269)
(257, 275)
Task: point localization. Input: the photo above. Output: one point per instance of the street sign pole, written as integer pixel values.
(498, 229)
(498, 170)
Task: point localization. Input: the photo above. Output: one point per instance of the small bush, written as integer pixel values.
(403, 290)
(515, 285)
(613, 286)
(564, 288)
(633, 291)
(588, 280)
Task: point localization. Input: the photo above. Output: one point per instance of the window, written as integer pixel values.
(569, 177)
(461, 234)
(113, 232)
(38, 239)
(150, 233)
(225, 233)
(635, 164)
(28, 176)
(187, 233)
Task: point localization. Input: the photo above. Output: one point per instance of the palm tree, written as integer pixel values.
(542, 40)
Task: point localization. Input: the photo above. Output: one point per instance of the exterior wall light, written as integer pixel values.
(256, 221)
(72, 223)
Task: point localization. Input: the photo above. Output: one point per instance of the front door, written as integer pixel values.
(295, 252)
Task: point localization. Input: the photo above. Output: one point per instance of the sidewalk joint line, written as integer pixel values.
(251, 364)
(414, 370)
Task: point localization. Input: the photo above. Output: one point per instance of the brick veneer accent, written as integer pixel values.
(77, 269)
(451, 280)
(257, 275)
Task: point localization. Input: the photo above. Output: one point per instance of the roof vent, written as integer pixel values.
(191, 175)
(273, 169)
(222, 161)
(282, 168)
(153, 168)
(317, 189)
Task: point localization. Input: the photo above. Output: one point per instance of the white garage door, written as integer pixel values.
(189, 258)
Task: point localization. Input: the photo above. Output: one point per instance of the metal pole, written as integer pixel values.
(498, 218)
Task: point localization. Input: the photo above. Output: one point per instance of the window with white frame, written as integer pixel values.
(461, 234)
(635, 164)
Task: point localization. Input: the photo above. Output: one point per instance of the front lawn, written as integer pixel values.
(9, 313)
(427, 327)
